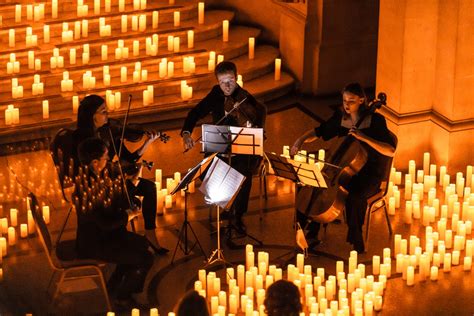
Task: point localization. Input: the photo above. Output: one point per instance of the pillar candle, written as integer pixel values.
(45, 109)
(11, 236)
(3, 247)
(225, 31)
(23, 230)
(434, 273)
(170, 69)
(251, 47)
(277, 69)
(176, 18)
(467, 263)
(123, 74)
(168, 201)
(190, 39)
(176, 44)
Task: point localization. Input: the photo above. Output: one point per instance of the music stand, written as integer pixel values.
(300, 173)
(220, 187)
(232, 140)
(191, 176)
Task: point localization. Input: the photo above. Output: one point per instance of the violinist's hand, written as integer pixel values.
(132, 213)
(188, 141)
(152, 136)
(296, 147)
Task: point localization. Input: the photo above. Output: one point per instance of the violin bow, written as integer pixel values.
(236, 105)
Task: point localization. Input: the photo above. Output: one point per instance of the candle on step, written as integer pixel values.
(176, 18)
(11, 236)
(251, 47)
(225, 30)
(23, 230)
(190, 39)
(277, 69)
(45, 109)
(201, 12)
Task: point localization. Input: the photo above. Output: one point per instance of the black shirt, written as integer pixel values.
(373, 126)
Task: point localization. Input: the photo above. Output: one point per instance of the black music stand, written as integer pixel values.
(191, 176)
(300, 173)
(231, 140)
(220, 187)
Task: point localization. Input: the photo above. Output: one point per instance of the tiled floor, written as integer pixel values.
(26, 272)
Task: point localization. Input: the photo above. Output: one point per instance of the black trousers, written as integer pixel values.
(247, 165)
(130, 252)
(147, 189)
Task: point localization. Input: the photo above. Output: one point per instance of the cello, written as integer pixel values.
(325, 205)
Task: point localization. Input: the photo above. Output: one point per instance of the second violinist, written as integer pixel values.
(221, 100)
(92, 119)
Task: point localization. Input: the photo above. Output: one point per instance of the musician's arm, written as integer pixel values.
(383, 148)
(307, 137)
(379, 138)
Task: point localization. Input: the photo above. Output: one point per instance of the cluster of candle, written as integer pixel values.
(189, 66)
(67, 35)
(88, 81)
(148, 95)
(139, 4)
(66, 82)
(17, 90)
(13, 66)
(33, 12)
(12, 115)
(37, 87)
(139, 74)
(186, 91)
(173, 43)
(151, 46)
(320, 294)
(139, 23)
(121, 51)
(33, 63)
(104, 29)
(302, 156)
(30, 38)
(82, 9)
(56, 61)
(164, 198)
(212, 62)
(166, 68)
(113, 100)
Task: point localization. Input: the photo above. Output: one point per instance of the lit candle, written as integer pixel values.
(54, 9)
(251, 47)
(467, 263)
(190, 39)
(46, 214)
(23, 230)
(225, 30)
(3, 246)
(277, 69)
(11, 236)
(155, 19)
(447, 262)
(176, 19)
(75, 104)
(123, 74)
(168, 201)
(45, 109)
(11, 37)
(170, 69)
(176, 44)
(201, 12)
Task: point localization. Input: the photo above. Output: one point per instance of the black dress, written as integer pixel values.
(250, 113)
(367, 182)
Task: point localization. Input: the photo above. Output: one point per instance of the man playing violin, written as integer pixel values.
(374, 137)
(223, 97)
(92, 121)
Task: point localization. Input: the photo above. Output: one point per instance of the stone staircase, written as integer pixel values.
(257, 73)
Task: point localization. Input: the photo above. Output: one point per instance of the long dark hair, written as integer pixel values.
(192, 304)
(357, 89)
(86, 111)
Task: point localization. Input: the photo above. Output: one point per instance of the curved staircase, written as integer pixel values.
(257, 73)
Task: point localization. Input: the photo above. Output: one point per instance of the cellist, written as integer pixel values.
(375, 137)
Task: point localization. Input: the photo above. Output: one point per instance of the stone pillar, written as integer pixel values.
(425, 64)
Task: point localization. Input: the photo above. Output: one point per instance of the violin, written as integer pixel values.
(350, 156)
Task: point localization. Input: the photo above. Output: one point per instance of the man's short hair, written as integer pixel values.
(282, 299)
(225, 67)
(91, 148)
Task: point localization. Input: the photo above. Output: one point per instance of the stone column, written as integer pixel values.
(425, 64)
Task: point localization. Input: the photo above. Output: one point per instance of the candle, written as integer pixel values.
(11, 37)
(11, 236)
(75, 104)
(190, 39)
(201, 12)
(447, 262)
(225, 30)
(46, 214)
(123, 74)
(168, 201)
(170, 69)
(45, 109)
(23, 230)
(142, 23)
(410, 276)
(251, 47)
(176, 44)
(467, 263)
(277, 69)
(176, 18)
(3, 246)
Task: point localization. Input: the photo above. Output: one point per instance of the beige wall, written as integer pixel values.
(426, 66)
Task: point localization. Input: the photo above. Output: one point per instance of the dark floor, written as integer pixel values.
(26, 271)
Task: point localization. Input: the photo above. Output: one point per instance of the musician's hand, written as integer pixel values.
(295, 148)
(133, 213)
(152, 136)
(356, 133)
(188, 141)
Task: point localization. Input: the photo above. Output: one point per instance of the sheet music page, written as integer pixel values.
(309, 174)
(244, 138)
(221, 184)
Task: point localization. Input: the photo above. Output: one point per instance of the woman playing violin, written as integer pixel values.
(374, 137)
(92, 121)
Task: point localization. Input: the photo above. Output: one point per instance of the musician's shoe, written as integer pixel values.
(161, 251)
(150, 235)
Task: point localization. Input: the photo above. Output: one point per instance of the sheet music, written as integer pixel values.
(221, 183)
(194, 173)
